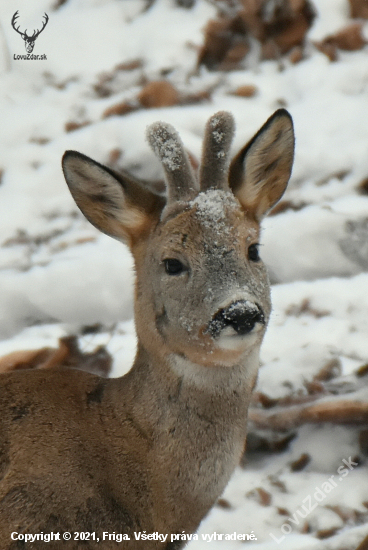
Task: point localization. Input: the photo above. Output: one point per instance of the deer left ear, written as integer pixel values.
(117, 205)
(260, 172)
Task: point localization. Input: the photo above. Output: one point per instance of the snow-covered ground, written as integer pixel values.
(57, 273)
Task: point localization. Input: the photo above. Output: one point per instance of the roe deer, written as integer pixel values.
(153, 450)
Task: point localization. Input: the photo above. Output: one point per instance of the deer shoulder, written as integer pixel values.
(152, 451)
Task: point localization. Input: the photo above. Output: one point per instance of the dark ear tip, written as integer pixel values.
(281, 113)
(69, 152)
(68, 155)
(72, 160)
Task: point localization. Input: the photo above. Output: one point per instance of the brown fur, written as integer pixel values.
(153, 450)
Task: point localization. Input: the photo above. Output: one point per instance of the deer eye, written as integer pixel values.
(253, 253)
(173, 266)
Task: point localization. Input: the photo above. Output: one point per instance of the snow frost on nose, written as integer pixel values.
(241, 317)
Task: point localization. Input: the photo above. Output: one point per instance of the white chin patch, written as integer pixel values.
(230, 339)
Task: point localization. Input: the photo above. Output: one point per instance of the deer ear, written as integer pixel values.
(260, 172)
(118, 206)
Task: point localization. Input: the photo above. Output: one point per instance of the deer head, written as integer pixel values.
(29, 41)
(202, 291)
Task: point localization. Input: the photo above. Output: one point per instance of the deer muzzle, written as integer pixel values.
(242, 316)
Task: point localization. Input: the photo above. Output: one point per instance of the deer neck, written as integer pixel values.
(159, 392)
(189, 424)
(195, 417)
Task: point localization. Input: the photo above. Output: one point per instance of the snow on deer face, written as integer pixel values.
(202, 292)
(208, 287)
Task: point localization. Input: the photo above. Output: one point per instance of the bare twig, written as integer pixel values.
(336, 411)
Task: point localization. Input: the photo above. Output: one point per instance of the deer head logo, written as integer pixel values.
(29, 41)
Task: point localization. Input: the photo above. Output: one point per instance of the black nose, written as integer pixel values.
(242, 316)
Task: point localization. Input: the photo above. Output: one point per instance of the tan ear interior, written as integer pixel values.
(102, 198)
(260, 172)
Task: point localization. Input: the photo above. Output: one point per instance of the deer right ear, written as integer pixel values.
(119, 207)
(260, 172)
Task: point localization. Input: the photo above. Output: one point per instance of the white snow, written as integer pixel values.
(57, 273)
(211, 207)
(166, 145)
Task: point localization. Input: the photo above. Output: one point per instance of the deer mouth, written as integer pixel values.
(240, 318)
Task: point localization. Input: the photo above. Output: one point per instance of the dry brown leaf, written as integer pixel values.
(248, 90)
(349, 38)
(263, 497)
(25, 359)
(71, 126)
(363, 187)
(130, 65)
(296, 54)
(159, 93)
(359, 8)
(120, 109)
(223, 503)
(67, 355)
(300, 463)
(363, 545)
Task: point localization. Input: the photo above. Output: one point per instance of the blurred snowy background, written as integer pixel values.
(112, 68)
